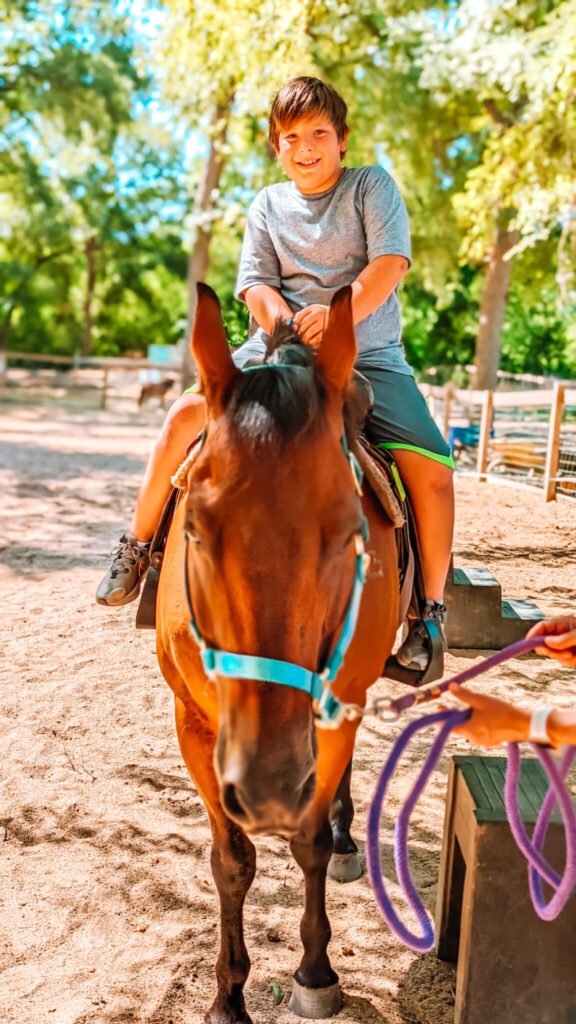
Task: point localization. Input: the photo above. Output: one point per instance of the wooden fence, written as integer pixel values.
(106, 365)
(530, 455)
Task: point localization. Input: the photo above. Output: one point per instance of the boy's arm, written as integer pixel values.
(375, 283)
(370, 289)
(266, 306)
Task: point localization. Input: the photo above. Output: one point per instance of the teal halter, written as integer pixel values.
(330, 710)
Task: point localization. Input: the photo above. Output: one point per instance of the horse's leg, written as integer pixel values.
(233, 863)
(316, 993)
(344, 865)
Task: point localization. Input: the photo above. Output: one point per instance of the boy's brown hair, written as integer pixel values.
(304, 97)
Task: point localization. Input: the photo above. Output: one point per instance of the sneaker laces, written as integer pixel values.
(126, 554)
(436, 611)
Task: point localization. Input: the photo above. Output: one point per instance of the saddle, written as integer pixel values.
(381, 475)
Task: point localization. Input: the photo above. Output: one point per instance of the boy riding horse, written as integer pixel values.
(326, 227)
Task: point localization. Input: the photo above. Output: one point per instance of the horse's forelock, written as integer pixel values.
(283, 333)
(278, 401)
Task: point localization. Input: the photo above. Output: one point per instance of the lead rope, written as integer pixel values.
(539, 869)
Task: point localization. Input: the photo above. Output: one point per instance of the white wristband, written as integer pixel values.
(538, 722)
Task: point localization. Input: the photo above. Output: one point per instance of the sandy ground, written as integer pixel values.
(108, 909)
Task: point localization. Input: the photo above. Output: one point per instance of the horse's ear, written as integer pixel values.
(337, 350)
(210, 348)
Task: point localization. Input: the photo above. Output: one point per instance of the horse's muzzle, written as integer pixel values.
(261, 808)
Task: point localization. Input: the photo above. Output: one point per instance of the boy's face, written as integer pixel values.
(310, 152)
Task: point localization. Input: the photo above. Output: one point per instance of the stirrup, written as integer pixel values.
(435, 667)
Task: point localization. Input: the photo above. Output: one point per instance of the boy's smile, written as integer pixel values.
(310, 152)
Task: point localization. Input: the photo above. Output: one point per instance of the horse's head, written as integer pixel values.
(271, 516)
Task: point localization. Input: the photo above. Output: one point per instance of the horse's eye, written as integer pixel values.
(190, 531)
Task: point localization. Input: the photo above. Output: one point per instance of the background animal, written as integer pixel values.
(159, 390)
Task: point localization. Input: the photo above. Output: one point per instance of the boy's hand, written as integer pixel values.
(561, 635)
(311, 323)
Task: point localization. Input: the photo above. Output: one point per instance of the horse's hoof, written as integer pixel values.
(344, 867)
(315, 1003)
(227, 1011)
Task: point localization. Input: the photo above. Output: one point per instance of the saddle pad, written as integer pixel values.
(376, 471)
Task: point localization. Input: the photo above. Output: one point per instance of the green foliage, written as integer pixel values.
(225, 253)
(535, 338)
(470, 104)
(84, 180)
(440, 334)
(512, 68)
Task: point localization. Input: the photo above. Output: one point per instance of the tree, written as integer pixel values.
(91, 189)
(514, 68)
(62, 96)
(219, 62)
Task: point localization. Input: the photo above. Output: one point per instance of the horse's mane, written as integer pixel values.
(279, 401)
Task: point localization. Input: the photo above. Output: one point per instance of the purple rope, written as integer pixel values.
(424, 942)
(401, 704)
(539, 869)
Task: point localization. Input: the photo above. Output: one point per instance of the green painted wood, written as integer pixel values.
(473, 577)
(515, 608)
(485, 777)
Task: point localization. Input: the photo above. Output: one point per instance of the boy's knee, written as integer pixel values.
(184, 420)
(188, 411)
(440, 477)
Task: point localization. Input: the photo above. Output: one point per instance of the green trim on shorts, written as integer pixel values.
(446, 460)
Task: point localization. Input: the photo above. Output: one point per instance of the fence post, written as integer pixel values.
(484, 438)
(553, 449)
(104, 392)
(448, 399)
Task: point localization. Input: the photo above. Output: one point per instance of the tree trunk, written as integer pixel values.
(204, 204)
(87, 323)
(4, 332)
(493, 309)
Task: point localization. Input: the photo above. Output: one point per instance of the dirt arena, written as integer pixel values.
(107, 905)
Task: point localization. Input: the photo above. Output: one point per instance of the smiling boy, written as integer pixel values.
(326, 227)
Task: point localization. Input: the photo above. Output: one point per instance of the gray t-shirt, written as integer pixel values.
(310, 246)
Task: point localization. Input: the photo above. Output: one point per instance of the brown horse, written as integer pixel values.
(271, 516)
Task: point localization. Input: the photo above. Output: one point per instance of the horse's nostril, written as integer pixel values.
(231, 804)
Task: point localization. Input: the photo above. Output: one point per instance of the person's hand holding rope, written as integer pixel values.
(495, 721)
(561, 639)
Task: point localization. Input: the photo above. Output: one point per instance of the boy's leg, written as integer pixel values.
(431, 489)
(184, 421)
(121, 584)
(430, 486)
(401, 422)
(186, 418)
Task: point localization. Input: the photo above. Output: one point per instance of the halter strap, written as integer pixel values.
(217, 662)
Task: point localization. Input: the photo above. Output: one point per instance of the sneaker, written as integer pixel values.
(121, 583)
(415, 651)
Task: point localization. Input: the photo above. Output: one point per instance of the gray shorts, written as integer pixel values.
(400, 418)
